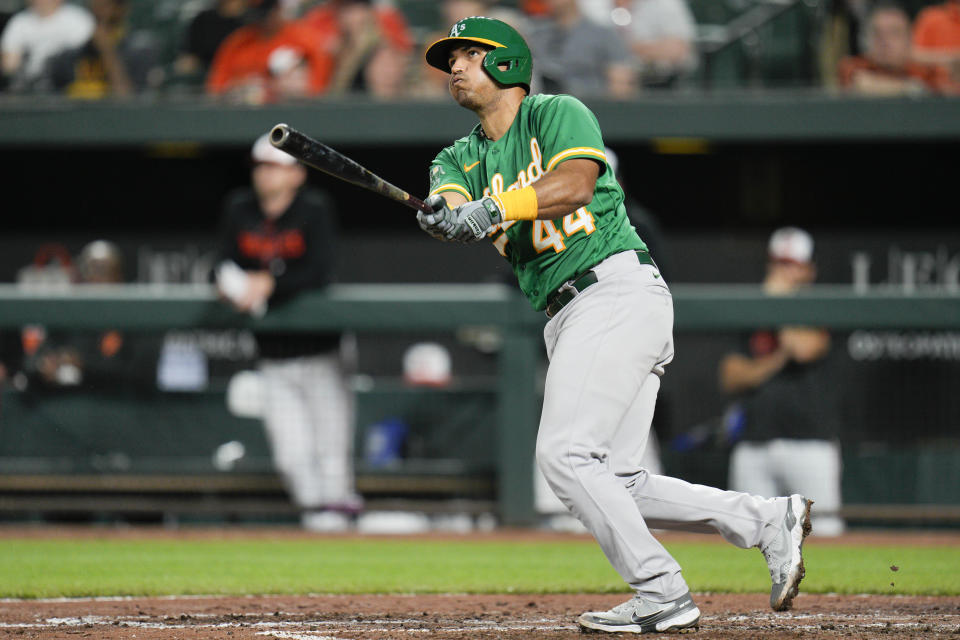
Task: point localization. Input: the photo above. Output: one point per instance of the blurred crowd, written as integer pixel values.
(262, 51)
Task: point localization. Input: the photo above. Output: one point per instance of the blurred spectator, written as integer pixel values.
(432, 82)
(455, 10)
(841, 35)
(115, 62)
(6, 357)
(277, 241)
(372, 44)
(107, 360)
(36, 34)
(293, 8)
(574, 55)
(785, 423)
(52, 268)
(270, 59)
(206, 33)
(535, 7)
(660, 34)
(886, 68)
(936, 36)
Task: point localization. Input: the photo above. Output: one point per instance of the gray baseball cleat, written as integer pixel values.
(784, 555)
(640, 616)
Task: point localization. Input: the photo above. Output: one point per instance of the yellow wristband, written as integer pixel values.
(518, 204)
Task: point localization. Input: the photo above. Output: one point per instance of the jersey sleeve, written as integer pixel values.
(567, 129)
(446, 175)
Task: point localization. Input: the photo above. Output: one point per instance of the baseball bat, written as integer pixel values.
(314, 153)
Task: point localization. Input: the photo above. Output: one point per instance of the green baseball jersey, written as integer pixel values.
(548, 130)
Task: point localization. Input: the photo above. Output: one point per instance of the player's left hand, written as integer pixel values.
(438, 224)
(473, 219)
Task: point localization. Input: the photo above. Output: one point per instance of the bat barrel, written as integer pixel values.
(314, 153)
(279, 135)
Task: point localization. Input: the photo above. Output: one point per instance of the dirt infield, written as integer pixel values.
(507, 617)
(535, 617)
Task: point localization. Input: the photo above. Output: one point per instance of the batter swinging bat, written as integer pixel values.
(319, 156)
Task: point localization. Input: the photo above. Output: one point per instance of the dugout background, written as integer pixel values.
(873, 181)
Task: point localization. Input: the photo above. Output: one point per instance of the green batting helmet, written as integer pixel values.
(509, 48)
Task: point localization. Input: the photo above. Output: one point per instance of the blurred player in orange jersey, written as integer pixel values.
(277, 241)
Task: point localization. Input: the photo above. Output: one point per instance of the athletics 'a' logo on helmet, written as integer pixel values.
(508, 60)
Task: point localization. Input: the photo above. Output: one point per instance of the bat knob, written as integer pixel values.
(279, 135)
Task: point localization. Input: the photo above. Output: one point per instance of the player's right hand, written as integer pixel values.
(438, 224)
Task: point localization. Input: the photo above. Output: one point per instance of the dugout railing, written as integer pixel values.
(405, 308)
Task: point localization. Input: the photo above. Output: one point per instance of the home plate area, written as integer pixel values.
(324, 617)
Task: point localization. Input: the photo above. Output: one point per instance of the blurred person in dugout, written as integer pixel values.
(272, 58)
(886, 66)
(106, 360)
(936, 36)
(278, 240)
(785, 419)
(659, 33)
(371, 42)
(115, 62)
(574, 55)
(33, 36)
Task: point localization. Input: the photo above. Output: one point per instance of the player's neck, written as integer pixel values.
(275, 205)
(497, 117)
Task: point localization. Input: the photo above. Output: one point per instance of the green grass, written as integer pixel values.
(95, 567)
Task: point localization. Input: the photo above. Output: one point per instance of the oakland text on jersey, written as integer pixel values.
(533, 172)
(544, 234)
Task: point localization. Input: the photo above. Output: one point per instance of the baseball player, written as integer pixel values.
(283, 237)
(532, 177)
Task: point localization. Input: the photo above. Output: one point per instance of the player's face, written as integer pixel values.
(470, 85)
(784, 276)
(271, 180)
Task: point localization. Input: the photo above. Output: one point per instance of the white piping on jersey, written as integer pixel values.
(452, 186)
(579, 151)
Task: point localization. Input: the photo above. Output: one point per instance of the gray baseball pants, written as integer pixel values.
(308, 415)
(607, 350)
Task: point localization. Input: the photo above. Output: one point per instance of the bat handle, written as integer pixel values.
(419, 204)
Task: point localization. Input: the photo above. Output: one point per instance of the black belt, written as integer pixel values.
(562, 296)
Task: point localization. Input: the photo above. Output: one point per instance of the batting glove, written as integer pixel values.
(439, 223)
(473, 219)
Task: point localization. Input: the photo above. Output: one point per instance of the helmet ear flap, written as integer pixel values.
(516, 70)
